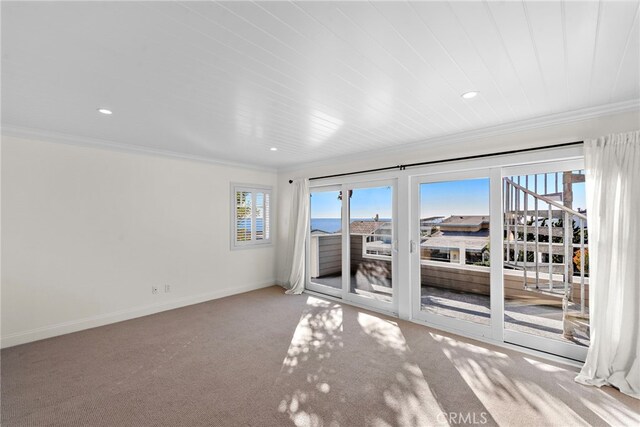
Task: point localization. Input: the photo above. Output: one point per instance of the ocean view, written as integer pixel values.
(330, 225)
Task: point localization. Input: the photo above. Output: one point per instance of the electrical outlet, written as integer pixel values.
(167, 288)
(154, 290)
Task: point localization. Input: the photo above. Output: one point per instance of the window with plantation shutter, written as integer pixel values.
(251, 215)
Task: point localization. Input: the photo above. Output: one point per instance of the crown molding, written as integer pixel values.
(487, 132)
(435, 142)
(81, 141)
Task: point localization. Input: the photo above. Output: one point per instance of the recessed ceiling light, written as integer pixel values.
(105, 111)
(469, 95)
(273, 149)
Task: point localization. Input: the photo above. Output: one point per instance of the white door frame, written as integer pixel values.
(345, 292)
(346, 246)
(548, 345)
(438, 320)
(496, 331)
(310, 284)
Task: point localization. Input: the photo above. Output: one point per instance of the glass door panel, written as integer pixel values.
(546, 262)
(325, 242)
(371, 243)
(455, 277)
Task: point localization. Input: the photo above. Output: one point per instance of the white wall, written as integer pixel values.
(535, 133)
(87, 231)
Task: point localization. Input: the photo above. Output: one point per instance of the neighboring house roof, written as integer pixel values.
(367, 227)
(432, 220)
(464, 222)
(444, 241)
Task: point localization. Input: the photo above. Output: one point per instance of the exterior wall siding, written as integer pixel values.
(330, 251)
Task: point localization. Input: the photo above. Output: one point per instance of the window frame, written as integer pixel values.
(376, 256)
(267, 215)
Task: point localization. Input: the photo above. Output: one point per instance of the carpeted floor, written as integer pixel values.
(266, 359)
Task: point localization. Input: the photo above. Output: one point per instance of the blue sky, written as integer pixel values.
(446, 198)
(467, 197)
(365, 203)
(579, 194)
(325, 204)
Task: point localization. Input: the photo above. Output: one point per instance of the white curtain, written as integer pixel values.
(613, 206)
(298, 229)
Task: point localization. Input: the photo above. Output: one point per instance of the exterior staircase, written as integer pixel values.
(543, 234)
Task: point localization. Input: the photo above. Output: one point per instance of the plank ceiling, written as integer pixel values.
(316, 80)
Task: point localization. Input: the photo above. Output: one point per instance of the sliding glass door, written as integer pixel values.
(451, 251)
(495, 251)
(503, 253)
(352, 246)
(371, 243)
(546, 258)
(324, 260)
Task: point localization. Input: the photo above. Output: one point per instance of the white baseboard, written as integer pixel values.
(49, 331)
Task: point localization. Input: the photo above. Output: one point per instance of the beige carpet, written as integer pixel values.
(266, 359)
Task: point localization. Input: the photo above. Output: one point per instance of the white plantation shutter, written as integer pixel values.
(251, 215)
(243, 209)
(259, 216)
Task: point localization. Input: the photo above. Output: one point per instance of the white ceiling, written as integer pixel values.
(316, 80)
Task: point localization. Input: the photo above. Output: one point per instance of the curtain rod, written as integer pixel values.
(456, 159)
